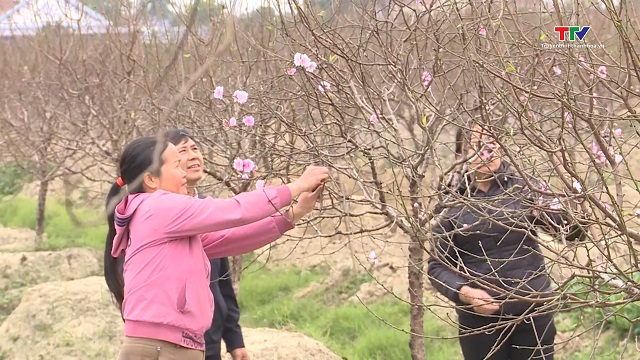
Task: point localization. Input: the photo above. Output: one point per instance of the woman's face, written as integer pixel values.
(191, 160)
(172, 176)
(489, 156)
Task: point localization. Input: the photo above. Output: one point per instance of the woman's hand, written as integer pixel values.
(306, 203)
(480, 300)
(239, 354)
(309, 181)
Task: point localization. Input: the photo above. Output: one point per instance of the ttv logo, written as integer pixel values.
(574, 32)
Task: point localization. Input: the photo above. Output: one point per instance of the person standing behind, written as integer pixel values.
(486, 260)
(225, 324)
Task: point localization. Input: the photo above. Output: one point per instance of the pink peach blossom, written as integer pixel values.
(426, 78)
(218, 92)
(618, 158)
(301, 60)
(324, 86)
(238, 164)
(311, 67)
(602, 72)
(373, 258)
(248, 165)
(568, 117)
(248, 120)
(240, 96)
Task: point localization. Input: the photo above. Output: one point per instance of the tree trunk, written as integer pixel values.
(236, 273)
(415, 274)
(40, 212)
(416, 291)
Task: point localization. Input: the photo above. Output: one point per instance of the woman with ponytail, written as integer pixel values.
(163, 239)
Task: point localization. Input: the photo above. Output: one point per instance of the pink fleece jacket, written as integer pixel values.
(168, 239)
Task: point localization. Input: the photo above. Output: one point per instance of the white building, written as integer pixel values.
(28, 16)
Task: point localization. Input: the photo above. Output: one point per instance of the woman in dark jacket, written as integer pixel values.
(486, 260)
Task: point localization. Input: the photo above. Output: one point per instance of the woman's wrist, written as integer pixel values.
(295, 188)
(295, 214)
(289, 215)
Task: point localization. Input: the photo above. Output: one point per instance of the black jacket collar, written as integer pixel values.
(503, 177)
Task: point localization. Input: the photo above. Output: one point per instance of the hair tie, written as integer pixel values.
(119, 181)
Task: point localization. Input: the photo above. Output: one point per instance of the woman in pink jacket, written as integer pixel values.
(167, 237)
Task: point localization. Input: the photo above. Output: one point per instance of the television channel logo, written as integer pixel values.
(575, 32)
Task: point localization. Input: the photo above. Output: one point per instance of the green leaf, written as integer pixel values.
(333, 58)
(510, 68)
(269, 27)
(543, 36)
(424, 120)
(187, 55)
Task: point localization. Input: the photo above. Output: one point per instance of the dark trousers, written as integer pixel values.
(214, 352)
(492, 338)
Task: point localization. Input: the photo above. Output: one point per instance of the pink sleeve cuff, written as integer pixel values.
(283, 223)
(284, 196)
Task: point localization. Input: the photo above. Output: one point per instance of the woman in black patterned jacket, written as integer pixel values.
(486, 260)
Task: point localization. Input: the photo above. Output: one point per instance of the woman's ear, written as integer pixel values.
(150, 182)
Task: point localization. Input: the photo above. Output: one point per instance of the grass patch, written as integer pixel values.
(12, 178)
(599, 342)
(607, 348)
(342, 291)
(593, 344)
(353, 331)
(9, 301)
(61, 230)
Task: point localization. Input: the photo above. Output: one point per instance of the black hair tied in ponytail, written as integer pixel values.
(140, 156)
